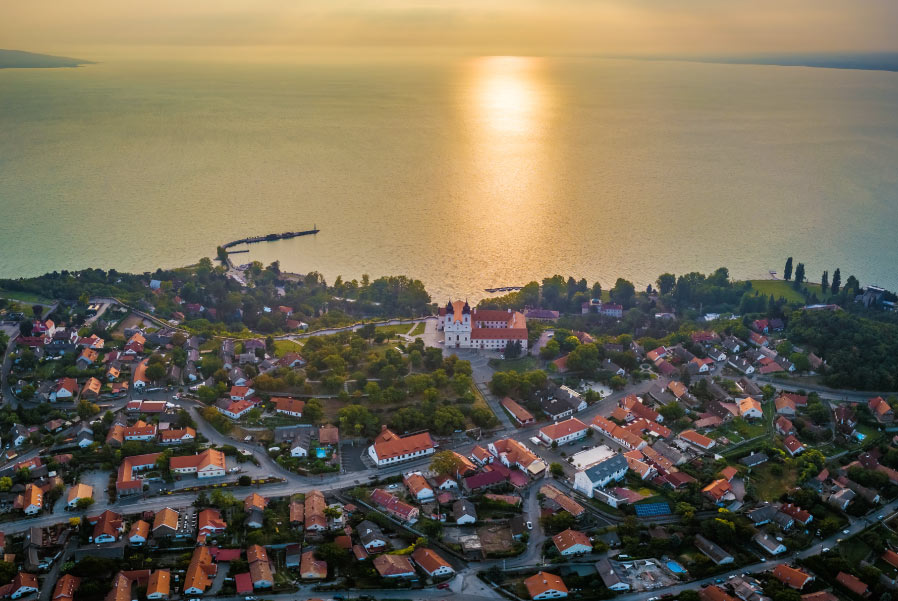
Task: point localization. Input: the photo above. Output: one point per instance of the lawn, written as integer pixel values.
(25, 297)
(282, 347)
(419, 329)
(769, 485)
(738, 430)
(393, 331)
(782, 288)
(853, 550)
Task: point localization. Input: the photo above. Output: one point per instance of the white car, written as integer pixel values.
(529, 525)
(824, 550)
(846, 531)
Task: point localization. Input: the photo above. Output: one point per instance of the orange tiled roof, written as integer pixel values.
(81, 491)
(542, 582)
(569, 426)
(167, 518)
(139, 528)
(210, 519)
(429, 560)
(159, 583)
(255, 501)
(388, 444)
(568, 538)
(200, 570)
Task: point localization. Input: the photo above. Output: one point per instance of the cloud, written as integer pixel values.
(538, 26)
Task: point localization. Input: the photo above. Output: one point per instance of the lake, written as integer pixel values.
(465, 172)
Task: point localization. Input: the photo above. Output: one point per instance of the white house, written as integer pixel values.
(241, 393)
(544, 585)
(389, 448)
(431, 562)
(572, 542)
(234, 409)
(463, 511)
(769, 544)
(19, 435)
(610, 576)
(23, 584)
(64, 390)
(598, 476)
(418, 487)
(208, 464)
(749, 408)
(562, 432)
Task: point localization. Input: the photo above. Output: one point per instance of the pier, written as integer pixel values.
(270, 238)
(503, 289)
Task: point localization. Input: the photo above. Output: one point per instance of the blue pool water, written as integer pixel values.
(675, 567)
(320, 453)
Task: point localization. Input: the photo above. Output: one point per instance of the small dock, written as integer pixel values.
(269, 238)
(503, 289)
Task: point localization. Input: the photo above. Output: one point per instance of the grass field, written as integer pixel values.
(769, 485)
(25, 297)
(401, 328)
(739, 430)
(853, 550)
(419, 329)
(782, 288)
(282, 347)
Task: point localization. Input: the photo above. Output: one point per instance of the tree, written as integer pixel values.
(837, 281)
(447, 419)
(7, 571)
(617, 382)
(483, 417)
(358, 421)
(799, 275)
(84, 503)
(513, 349)
(623, 293)
(333, 554)
(313, 411)
(5, 483)
(550, 350)
(666, 283)
(155, 371)
(824, 282)
(446, 463)
(244, 480)
(853, 284)
(25, 327)
(556, 469)
(787, 272)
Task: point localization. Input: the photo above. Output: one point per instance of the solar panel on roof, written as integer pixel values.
(650, 509)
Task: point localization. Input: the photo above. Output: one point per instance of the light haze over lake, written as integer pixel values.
(466, 172)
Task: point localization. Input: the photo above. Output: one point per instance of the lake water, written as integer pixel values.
(466, 172)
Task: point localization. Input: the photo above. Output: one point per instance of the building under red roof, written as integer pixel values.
(244, 583)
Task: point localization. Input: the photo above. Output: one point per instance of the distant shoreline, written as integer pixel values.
(19, 59)
(874, 61)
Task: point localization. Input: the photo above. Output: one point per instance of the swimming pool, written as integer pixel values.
(321, 453)
(675, 567)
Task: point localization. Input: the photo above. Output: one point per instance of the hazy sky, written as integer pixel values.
(497, 26)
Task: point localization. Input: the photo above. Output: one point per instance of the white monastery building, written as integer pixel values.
(464, 327)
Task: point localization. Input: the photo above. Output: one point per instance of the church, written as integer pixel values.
(489, 329)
